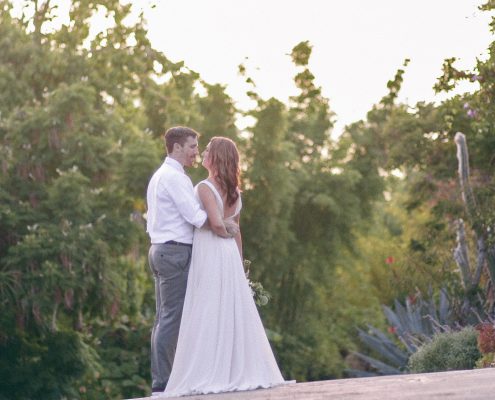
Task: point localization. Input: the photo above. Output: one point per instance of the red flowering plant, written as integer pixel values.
(486, 344)
(389, 260)
(392, 330)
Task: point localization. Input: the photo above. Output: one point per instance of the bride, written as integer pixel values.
(222, 344)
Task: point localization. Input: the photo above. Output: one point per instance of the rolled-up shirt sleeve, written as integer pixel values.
(186, 202)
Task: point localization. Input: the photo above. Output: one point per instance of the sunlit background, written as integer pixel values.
(369, 246)
(357, 46)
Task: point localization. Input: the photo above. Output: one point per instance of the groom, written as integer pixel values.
(173, 212)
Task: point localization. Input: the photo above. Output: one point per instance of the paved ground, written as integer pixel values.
(476, 384)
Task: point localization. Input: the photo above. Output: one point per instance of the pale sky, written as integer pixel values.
(357, 45)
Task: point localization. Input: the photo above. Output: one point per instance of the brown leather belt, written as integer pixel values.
(178, 243)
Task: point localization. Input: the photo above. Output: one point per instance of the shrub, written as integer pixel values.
(447, 351)
(44, 366)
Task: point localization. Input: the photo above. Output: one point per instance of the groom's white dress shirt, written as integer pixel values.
(173, 209)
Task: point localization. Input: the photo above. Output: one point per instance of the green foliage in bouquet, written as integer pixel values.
(261, 296)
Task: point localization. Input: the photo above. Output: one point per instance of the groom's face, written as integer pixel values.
(189, 151)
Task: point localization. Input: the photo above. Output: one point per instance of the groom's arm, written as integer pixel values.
(182, 194)
(230, 226)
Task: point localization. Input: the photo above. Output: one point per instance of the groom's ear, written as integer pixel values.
(176, 147)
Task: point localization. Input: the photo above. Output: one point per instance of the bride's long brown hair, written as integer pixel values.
(224, 160)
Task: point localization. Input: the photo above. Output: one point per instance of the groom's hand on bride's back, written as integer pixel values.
(231, 227)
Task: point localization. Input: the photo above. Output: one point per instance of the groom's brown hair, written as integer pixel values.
(178, 134)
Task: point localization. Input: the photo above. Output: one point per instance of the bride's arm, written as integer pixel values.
(215, 221)
(238, 237)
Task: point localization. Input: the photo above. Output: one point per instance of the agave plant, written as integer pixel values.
(412, 324)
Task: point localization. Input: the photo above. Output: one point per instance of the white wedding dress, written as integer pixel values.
(222, 344)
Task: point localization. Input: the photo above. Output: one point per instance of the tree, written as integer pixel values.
(304, 197)
(68, 243)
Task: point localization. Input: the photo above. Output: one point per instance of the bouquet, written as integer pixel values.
(260, 295)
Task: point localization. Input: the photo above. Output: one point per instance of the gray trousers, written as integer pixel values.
(169, 264)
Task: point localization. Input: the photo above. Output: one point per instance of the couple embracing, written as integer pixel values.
(207, 336)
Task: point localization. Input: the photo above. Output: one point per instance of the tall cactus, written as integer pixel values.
(463, 170)
(462, 259)
(485, 256)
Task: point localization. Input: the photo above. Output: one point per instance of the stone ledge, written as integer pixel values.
(478, 384)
